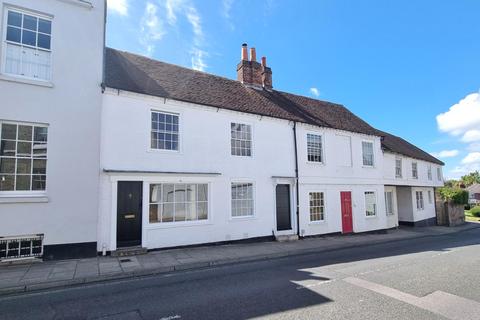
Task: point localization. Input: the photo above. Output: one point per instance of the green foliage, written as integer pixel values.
(475, 211)
(456, 195)
(471, 178)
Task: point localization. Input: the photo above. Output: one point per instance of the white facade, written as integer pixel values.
(58, 88)
(204, 156)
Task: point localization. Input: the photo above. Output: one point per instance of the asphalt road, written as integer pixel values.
(428, 278)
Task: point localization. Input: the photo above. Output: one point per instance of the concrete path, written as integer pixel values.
(18, 278)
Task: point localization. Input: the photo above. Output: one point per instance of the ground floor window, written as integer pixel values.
(178, 202)
(420, 204)
(242, 199)
(370, 204)
(389, 203)
(317, 206)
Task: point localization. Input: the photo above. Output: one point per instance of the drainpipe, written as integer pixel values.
(296, 177)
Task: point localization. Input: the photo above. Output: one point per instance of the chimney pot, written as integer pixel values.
(264, 61)
(244, 52)
(253, 54)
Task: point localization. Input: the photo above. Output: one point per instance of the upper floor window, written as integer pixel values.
(314, 148)
(389, 202)
(429, 172)
(430, 198)
(27, 45)
(242, 199)
(414, 170)
(367, 153)
(165, 131)
(419, 198)
(178, 202)
(370, 204)
(398, 167)
(241, 139)
(23, 157)
(439, 174)
(317, 206)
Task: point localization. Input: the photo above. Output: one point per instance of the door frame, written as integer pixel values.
(141, 213)
(341, 211)
(293, 221)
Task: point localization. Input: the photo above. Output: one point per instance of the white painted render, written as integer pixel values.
(70, 105)
(205, 148)
(407, 205)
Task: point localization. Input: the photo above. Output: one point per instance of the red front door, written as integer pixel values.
(346, 201)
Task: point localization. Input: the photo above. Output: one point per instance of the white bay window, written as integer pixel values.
(27, 45)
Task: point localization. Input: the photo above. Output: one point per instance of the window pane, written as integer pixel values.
(180, 193)
(13, 34)
(40, 134)
(202, 192)
(7, 182)
(168, 193)
(202, 210)
(40, 166)
(8, 148)
(7, 165)
(14, 19)
(38, 182)
(167, 214)
(44, 26)
(44, 41)
(40, 150)
(24, 149)
(155, 214)
(180, 211)
(29, 38)
(191, 192)
(29, 22)
(9, 131)
(155, 193)
(24, 166)
(22, 182)
(25, 133)
(191, 211)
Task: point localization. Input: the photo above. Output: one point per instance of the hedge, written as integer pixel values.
(456, 195)
(475, 211)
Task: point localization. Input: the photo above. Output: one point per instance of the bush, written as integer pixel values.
(475, 211)
(468, 207)
(456, 195)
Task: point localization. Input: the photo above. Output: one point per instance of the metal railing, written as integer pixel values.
(21, 247)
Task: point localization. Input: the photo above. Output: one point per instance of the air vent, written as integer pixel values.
(21, 247)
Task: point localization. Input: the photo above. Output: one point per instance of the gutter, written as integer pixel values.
(296, 178)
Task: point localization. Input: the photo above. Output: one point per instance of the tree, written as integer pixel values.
(471, 178)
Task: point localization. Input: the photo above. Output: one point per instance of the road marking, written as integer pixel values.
(171, 317)
(445, 304)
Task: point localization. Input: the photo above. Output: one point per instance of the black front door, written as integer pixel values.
(283, 207)
(129, 213)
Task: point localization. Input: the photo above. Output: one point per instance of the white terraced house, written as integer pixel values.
(110, 151)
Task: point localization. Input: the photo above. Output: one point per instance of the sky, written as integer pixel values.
(411, 68)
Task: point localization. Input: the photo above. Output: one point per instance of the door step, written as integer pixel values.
(129, 251)
(286, 238)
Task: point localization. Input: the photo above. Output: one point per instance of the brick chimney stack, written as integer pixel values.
(252, 73)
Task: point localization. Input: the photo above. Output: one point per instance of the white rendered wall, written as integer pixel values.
(204, 147)
(392, 220)
(405, 204)
(429, 206)
(70, 105)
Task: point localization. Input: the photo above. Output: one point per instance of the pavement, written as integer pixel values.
(427, 277)
(29, 277)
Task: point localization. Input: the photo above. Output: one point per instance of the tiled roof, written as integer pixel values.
(131, 72)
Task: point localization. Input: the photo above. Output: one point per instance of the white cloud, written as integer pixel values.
(461, 117)
(151, 28)
(172, 6)
(472, 158)
(118, 6)
(226, 12)
(445, 154)
(315, 92)
(471, 136)
(474, 147)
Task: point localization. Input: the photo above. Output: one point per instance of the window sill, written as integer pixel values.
(321, 222)
(39, 83)
(246, 218)
(167, 225)
(371, 217)
(24, 199)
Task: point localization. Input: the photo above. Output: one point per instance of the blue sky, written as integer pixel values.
(407, 67)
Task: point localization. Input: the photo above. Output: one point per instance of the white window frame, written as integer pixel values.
(20, 193)
(322, 198)
(19, 77)
(183, 222)
(398, 173)
(253, 215)
(373, 154)
(439, 174)
(392, 212)
(429, 172)
(179, 133)
(374, 205)
(419, 200)
(322, 147)
(251, 139)
(415, 171)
